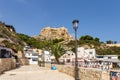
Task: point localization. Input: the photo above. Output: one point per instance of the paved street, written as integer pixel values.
(34, 72)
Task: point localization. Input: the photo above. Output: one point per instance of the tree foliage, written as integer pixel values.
(109, 51)
(87, 37)
(101, 49)
(111, 42)
(14, 46)
(31, 41)
(53, 46)
(57, 50)
(89, 40)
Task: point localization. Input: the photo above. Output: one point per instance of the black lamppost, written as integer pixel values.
(43, 55)
(75, 26)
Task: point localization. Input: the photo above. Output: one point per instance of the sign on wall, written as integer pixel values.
(114, 75)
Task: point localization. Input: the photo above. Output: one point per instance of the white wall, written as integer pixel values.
(33, 59)
(86, 53)
(47, 56)
(82, 54)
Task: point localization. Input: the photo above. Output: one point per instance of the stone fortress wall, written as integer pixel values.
(84, 73)
(10, 63)
(7, 64)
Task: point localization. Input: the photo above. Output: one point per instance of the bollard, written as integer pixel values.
(53, 67)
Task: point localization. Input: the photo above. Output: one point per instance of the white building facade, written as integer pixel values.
(67, 58)
(31, 54)
(46, 56)
(32, 57)
(87, 54)
(88, 58)
(83, 54)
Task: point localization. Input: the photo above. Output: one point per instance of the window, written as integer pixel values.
(109, 57)
(68, 54)
(90, 52)
(34, 54)
(29, 58)
(34, 59)
(5, 53)
(100, 57)
(68, 61)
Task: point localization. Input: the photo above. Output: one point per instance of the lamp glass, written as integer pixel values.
(75, 24)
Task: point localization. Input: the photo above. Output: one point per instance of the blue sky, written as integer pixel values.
(98, 18)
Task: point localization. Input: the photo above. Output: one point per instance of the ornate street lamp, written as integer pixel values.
(75, 26)
(43, 57)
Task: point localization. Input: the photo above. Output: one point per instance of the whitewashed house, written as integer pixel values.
(87, 54)
(67, 58)
(32, 57)
(83, 54)
(88, 58)
(108, 61)
(31, 54)
(46, 56)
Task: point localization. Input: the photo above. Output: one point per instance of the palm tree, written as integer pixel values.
(57, 50)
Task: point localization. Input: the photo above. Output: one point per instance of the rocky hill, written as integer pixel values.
(9, 37)
(48, 33)
(6, 32)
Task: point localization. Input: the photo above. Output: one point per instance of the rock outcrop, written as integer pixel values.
(54, 33)
(9, 37)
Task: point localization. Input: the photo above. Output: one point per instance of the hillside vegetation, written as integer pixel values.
(10, 38)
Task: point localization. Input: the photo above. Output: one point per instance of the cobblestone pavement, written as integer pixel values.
(34, 72)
